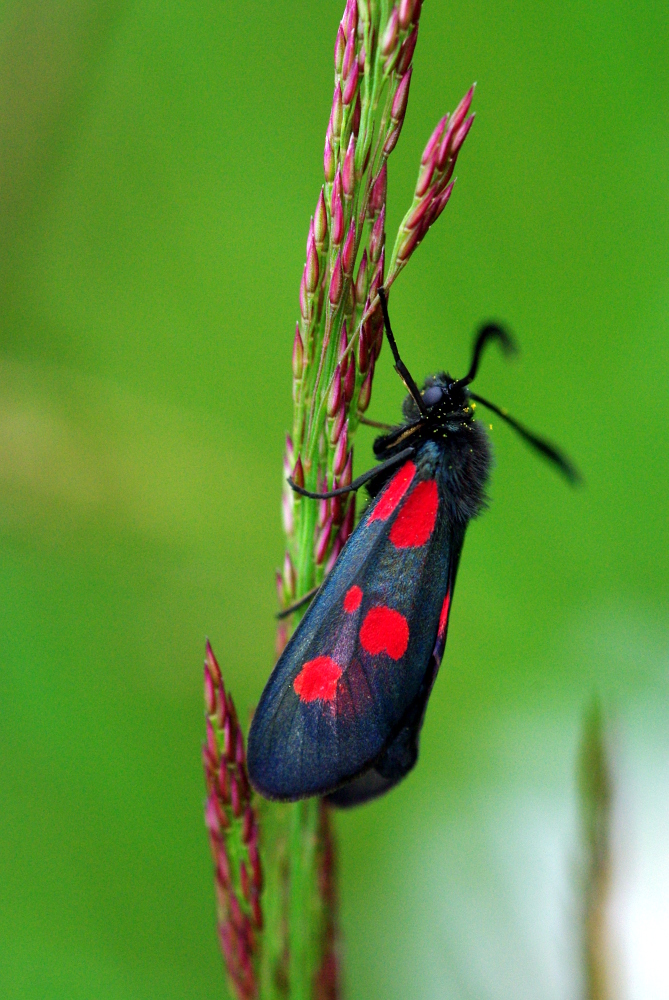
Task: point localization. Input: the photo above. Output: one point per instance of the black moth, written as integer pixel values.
(342, 711)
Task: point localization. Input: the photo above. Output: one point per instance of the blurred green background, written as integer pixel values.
(158, 166)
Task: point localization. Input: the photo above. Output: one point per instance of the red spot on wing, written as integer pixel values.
(415, 522)
(443, 617)
(385, 631)
(318, 679)
(393, 493)
(352, 599)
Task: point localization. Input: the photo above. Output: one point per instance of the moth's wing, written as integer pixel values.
(358, 658)
(401, 753)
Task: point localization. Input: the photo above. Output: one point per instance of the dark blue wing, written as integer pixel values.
(358, 660)
(400, 755)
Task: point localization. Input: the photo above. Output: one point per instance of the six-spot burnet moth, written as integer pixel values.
(342, 711)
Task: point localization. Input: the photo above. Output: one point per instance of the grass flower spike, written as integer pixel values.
(346, 255)
(281, 941)
(232, 823)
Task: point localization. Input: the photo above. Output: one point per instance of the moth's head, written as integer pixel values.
(442, 396)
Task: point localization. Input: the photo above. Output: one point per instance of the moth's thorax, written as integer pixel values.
(449, 439)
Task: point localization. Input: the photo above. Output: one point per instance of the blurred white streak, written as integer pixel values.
(640, 900)
(498, 905)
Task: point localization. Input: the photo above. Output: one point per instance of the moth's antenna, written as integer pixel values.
(548, 450)
(400, 367)
(491, 331)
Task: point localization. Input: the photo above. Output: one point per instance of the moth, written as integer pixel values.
(342, 711)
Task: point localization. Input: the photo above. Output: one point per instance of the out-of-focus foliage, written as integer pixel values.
(158, 167)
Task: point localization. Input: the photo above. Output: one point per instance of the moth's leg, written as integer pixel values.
(375, 423)
(298, 604)
(357, 483)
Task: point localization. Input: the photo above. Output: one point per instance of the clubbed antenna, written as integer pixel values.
(550, 451)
